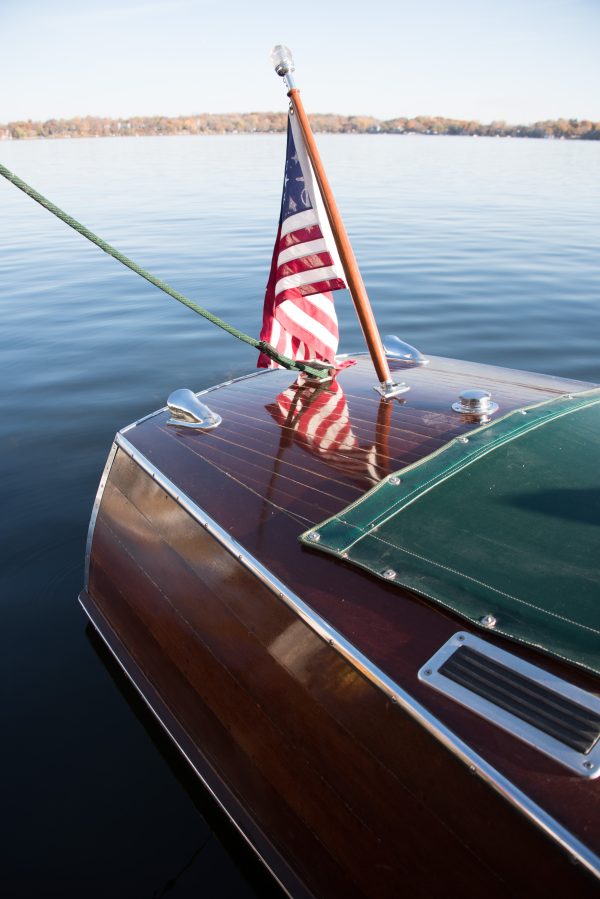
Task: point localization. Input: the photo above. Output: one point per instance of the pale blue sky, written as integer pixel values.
(518, 60)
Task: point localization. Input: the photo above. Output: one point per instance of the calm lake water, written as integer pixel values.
(480, 249)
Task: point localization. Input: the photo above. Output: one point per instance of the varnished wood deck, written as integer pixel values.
(331, 776)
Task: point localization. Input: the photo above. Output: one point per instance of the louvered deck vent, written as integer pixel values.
(563, 719)
(552, 715)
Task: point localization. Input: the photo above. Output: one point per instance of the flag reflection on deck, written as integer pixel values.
(318, 420)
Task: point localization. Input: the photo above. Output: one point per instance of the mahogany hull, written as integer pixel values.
(342, 787)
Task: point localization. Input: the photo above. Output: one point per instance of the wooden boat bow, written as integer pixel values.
(291, 680)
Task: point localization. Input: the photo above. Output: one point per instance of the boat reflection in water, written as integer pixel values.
(289, 678)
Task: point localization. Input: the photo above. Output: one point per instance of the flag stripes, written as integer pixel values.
(299, 317)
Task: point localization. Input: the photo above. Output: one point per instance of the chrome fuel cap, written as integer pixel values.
(475, 401)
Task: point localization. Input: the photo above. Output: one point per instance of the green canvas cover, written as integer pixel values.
(504, 523)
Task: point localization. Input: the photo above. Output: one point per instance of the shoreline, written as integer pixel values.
(276, 123)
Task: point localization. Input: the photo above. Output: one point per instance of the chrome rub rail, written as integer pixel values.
(476, 763)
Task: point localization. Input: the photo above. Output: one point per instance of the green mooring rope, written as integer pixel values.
(261, 345)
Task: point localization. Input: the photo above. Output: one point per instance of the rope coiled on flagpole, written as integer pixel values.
(260, 345)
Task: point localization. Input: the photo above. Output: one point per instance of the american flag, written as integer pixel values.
(318, 420)
(299, 317)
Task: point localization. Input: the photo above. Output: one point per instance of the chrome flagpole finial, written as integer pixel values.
(283, 63)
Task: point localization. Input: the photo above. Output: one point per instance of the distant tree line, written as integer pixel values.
(272, 122)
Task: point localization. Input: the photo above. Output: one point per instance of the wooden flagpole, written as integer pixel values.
(352, 272)
(283, 63)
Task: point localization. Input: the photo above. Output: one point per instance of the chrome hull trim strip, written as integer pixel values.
(476, 763)
(97, 501)
(177, 743)
(252, 374)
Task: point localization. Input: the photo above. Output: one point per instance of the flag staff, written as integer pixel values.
(284, 66)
